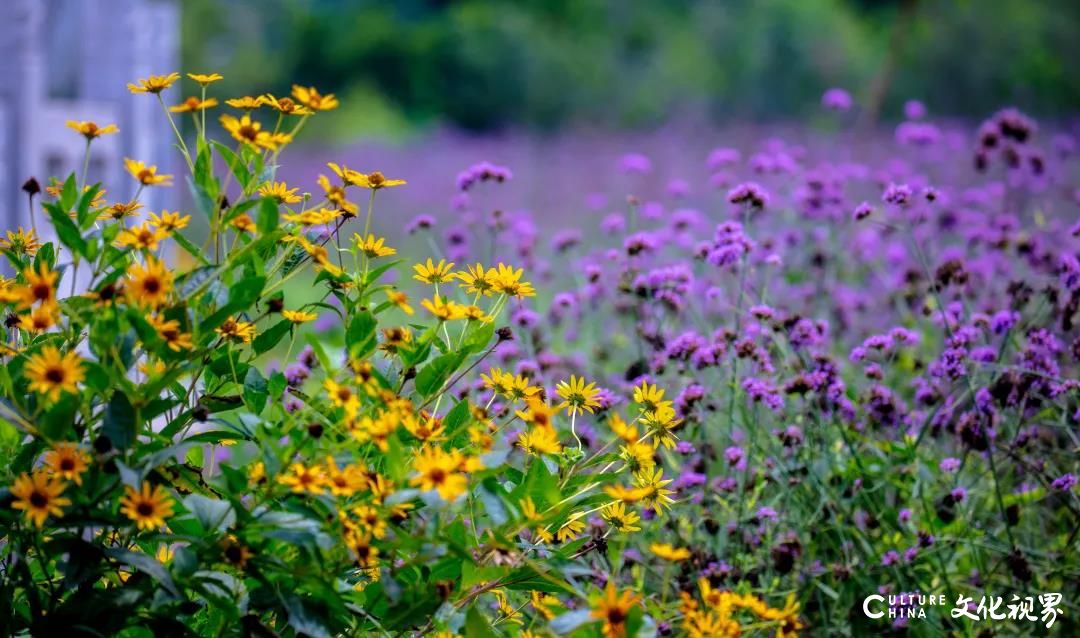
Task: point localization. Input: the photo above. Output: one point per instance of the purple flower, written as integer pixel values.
(635, 163)
(836, 99)
(949, 465)
(1064, 483)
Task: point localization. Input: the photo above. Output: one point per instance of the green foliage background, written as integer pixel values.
(490, 64)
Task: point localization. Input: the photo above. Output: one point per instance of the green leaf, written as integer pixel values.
(120, 421)
(458, 416)
(83, 216)
(59, 418)
(191, 248)
(255, 392)
(270, 337)
(212, 514)
(69, 193)
(146, 564)
(268, 215)
(477, 625)
(242, 295)
(235, 164)
(65, 229)
(360, 335)
(478, 335)
(434, 375)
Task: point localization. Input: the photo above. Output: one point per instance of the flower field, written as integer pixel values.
(737, 401)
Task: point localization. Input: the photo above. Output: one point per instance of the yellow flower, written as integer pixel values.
(146, 175)
(649, 397)
(147, 507)
(120, 210)
(281, 192)
(369, 518)
(145, 236)
(395, 338)
(336, 195)
(528, 509)
(655, 495)
(299, 316)
(622, 429)
(38, 495)
(432, 273)
(169, 222)
(236, 330)
(149, 285)
(442, 309)
(621, 520)
(286, 105)
(313, 217)
(90, 130)
(51, 373)
(401, 300)
(508, 281)
(154, 84)
(67, 461)
(537, 412)
(507, 612)
(540, 440)
(246, 103)
(659, 424)
(374, 180)
(439, 470)
(476, 281)
(243, 223)
(205, 79)
(577, 395)
(614, 609)
(425, 428)
(249, 131)
(194, 104)
(21, 242)
(543, 603)
(367, 556)
(569, 530)
(304, 479)
(311, 98)
(626, 494)
(40, 319)
(40, 286)
(669, 552)
(373, 246)
(343, 482)
(170, 333)
(638, 456)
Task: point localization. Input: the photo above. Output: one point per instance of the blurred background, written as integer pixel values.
(492, 65)
(556, 89)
